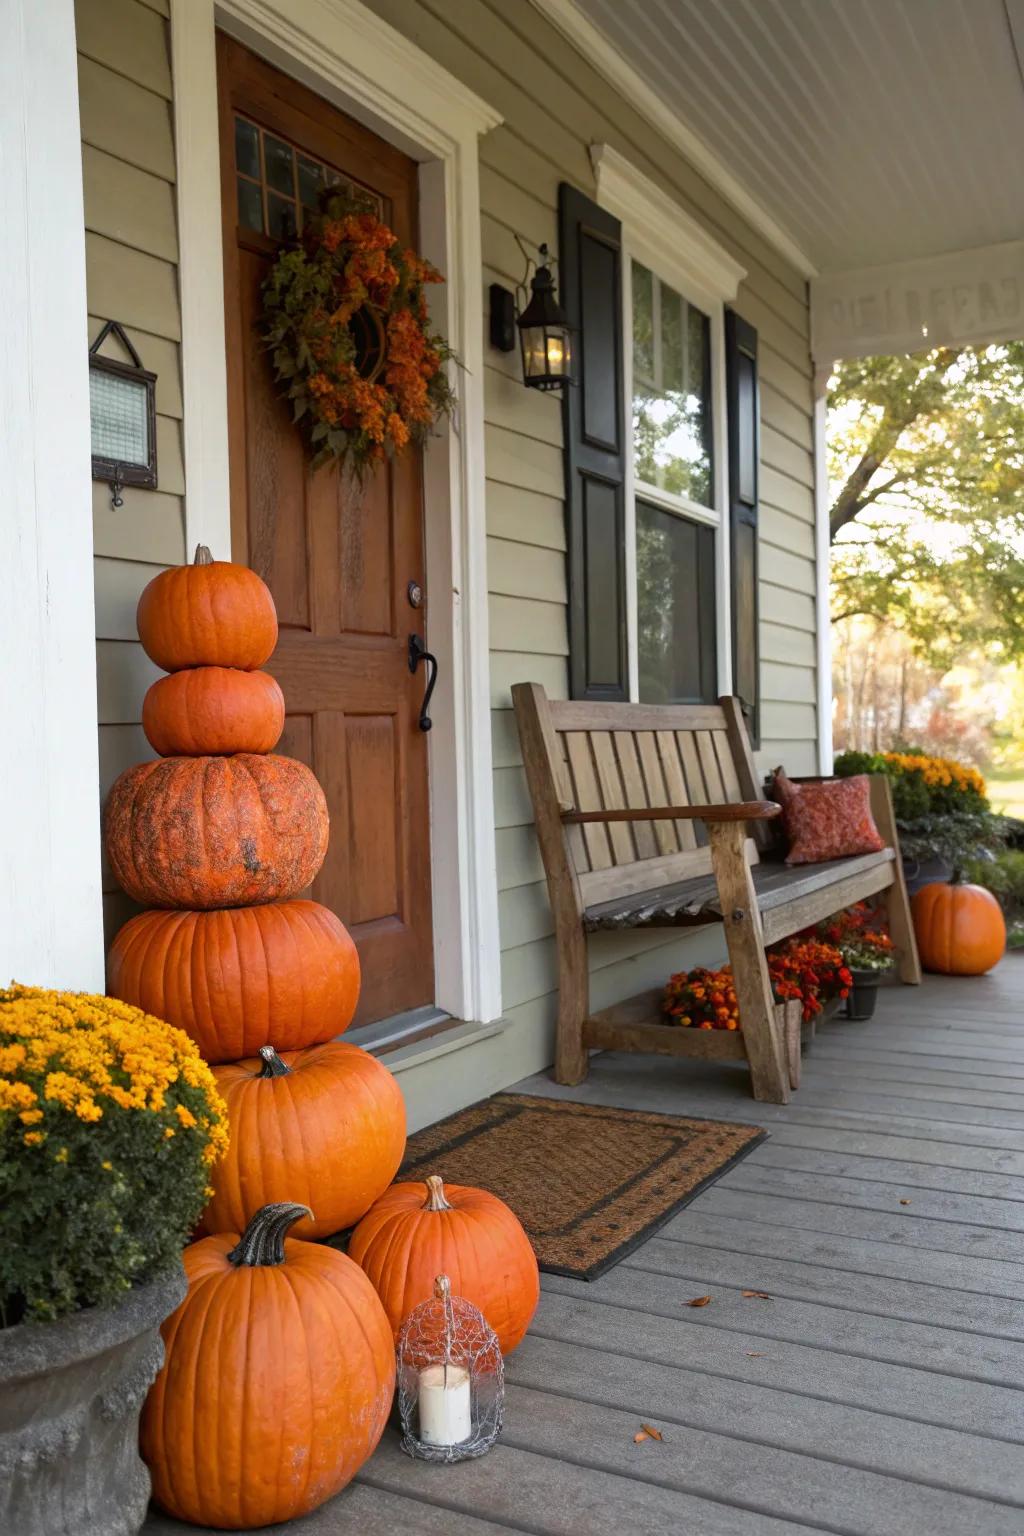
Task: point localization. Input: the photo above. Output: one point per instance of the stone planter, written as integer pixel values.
(70, 1395)
(921, 872)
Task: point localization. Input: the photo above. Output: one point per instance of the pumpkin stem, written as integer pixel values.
(272, 1066)
(202, 555)
(262, 1242)
(435, 1200)
(442, 1287)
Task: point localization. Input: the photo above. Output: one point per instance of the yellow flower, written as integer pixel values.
(185, 1115)
(33, 1138)
(61, 1156)
(108, 1166)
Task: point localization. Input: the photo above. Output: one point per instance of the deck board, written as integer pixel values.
(877, 1393)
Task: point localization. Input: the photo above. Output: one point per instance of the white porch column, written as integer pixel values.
(50, 903)
(822, 557)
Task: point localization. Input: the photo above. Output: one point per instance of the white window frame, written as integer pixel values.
(660, 235)
(344, 52)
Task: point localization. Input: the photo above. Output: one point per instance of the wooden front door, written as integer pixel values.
(341, 566)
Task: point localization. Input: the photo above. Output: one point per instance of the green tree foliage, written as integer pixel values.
(928, 521)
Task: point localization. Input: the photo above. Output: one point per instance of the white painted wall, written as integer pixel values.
(50, 905)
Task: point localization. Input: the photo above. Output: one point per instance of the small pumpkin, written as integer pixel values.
(215, 831)
(960, 929)
(240, 976)
(211, 613)
(277, 1380)
(209, 711)
(416, 1231)
(328, 1123)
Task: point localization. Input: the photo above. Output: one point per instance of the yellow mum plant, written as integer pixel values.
(110, 1122)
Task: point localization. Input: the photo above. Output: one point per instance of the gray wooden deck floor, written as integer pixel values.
(877, 1393)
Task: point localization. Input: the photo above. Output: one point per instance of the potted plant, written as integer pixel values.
(868, 957)
(109, 1125)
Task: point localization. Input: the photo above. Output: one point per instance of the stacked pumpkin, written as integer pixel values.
(216, 838)
(284, 1347)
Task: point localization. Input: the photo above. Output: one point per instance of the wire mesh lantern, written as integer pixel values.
(451, 1380)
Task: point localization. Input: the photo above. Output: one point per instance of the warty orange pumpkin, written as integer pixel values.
(960, 929)
(417, 1231)
(237, 977)
(327, 1123)
(277, 1382)
(215, 831)
(211, 613)
(210, 711)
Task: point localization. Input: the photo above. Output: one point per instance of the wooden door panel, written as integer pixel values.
(338, 560)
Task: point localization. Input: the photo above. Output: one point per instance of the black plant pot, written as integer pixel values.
(863, 994)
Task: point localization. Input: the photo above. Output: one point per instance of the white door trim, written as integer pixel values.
(51, 913)
(348, 55)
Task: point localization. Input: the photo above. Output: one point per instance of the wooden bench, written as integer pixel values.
(652, 816)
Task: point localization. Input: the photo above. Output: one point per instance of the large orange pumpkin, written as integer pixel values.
(206, 711)
(235, 978)
(327, 1123)
(960, 929)
(215, 831)
(211, 613)
(277, 1380)
(418, 1231)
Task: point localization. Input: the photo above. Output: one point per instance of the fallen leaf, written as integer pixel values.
(643, 1435)
(904, 1202)
(698, 1301)
(754, 1354)
(649, 1429)
(758, 1295)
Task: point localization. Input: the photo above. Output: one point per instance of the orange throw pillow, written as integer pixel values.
(831, 820)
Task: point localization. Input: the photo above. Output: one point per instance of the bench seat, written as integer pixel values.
(816, 887)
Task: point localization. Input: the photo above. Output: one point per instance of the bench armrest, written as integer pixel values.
(746, 810)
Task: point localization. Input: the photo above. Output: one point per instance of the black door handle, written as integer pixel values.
(417, 653)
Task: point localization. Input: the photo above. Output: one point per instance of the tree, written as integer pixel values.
(928, 521)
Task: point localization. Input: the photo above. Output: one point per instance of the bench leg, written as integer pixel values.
(897, 902)
(763, 1034)
(790, 1023)
(572, 1058)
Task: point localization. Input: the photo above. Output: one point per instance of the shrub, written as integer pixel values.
(109, 1124)
(1002, 873)
(921, 785)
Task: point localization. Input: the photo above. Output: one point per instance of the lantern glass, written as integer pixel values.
(451, 1379)
(118, 407)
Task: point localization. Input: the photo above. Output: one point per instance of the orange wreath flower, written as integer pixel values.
(347, 323)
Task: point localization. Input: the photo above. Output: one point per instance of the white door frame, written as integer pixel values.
(51, 914)
(352, 58)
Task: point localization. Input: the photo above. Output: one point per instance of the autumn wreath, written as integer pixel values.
(346, 320)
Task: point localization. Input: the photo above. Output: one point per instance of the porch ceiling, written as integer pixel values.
(870, 131)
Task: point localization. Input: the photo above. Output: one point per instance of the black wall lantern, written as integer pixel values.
(122, 408)
(545, 335)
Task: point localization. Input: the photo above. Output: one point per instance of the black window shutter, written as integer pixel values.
(590, 275)
(744, 413)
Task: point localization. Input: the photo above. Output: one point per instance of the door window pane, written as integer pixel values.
(675, 575)
(269, 173)
(671, 390)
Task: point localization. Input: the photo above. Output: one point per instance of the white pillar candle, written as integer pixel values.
(444, 1404)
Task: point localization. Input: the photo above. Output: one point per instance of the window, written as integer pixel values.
(671, 390)
(673, 520)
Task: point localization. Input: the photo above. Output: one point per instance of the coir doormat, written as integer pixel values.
(587, 1182)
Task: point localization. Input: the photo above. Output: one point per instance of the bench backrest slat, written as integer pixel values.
(596, 757)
